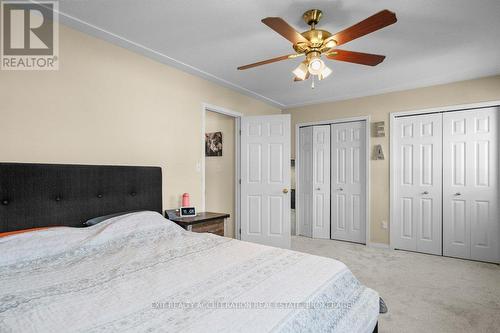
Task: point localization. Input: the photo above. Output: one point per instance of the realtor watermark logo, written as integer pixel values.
(29, 35)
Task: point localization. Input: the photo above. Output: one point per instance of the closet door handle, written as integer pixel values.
(318, 189)
(425, 192)
(458, 193)
(340, 189)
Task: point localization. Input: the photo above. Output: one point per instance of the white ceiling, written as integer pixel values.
(433, 42)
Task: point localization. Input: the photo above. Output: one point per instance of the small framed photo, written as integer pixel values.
(213, 144)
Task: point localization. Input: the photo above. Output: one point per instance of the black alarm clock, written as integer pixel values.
(187, 211)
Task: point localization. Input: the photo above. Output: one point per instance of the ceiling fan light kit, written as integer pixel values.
(315, 43)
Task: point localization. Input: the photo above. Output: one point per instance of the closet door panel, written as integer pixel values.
(470, 184)
(321, 181)
(349, 182)
(305, 181)
(456, 207)
(418, 184)
(339, 202)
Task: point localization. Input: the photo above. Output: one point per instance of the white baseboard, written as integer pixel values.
(378, 245)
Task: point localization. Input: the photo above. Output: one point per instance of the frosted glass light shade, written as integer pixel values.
(300, 71)
(316, 66)
(324, 73)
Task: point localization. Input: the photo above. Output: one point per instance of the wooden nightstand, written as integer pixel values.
(203, 222)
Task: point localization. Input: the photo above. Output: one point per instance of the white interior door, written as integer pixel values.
(417, 224)
(321, 181)
(348, 184)
(305, 190)
(470, 185)
(265, 180)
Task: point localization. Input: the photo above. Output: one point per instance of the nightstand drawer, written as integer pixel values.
(213, 227)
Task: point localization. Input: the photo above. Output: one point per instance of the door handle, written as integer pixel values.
(458, 193)
(340, 189)
(425, 192)
(318, 189)
(285, 190)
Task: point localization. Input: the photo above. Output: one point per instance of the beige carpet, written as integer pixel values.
(424, 293)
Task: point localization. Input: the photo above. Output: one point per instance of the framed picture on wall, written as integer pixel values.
(213, 144)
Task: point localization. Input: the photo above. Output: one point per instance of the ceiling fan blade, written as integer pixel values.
(356, 57)
(296, 79)
(373, 23)
(284, 29)
(269, 61)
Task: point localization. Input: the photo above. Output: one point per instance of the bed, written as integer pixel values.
(141, 272)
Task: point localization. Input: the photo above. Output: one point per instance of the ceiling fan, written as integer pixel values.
(315, 43)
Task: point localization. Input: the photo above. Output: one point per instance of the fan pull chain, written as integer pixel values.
(312, 84)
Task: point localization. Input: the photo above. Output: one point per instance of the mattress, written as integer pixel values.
(141, 272)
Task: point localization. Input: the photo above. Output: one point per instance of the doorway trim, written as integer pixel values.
(237, 172)
(367, 120)
(392, 147)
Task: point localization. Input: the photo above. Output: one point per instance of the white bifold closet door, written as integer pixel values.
(418, 205)
(321, 181)
(470, 184)
(305, 181)
(348, 184)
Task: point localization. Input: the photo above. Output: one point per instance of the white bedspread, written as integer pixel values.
(140, 272)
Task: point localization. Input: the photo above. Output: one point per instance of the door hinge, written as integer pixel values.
(240, 132)
(240, 231)
(239, 181)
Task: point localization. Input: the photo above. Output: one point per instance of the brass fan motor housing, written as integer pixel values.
(316, 38)
(312, 16)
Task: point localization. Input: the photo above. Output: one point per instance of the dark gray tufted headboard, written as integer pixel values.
(39, 195)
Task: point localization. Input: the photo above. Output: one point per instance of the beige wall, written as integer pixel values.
(379, 107)
(219, 170)
(107, 105)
